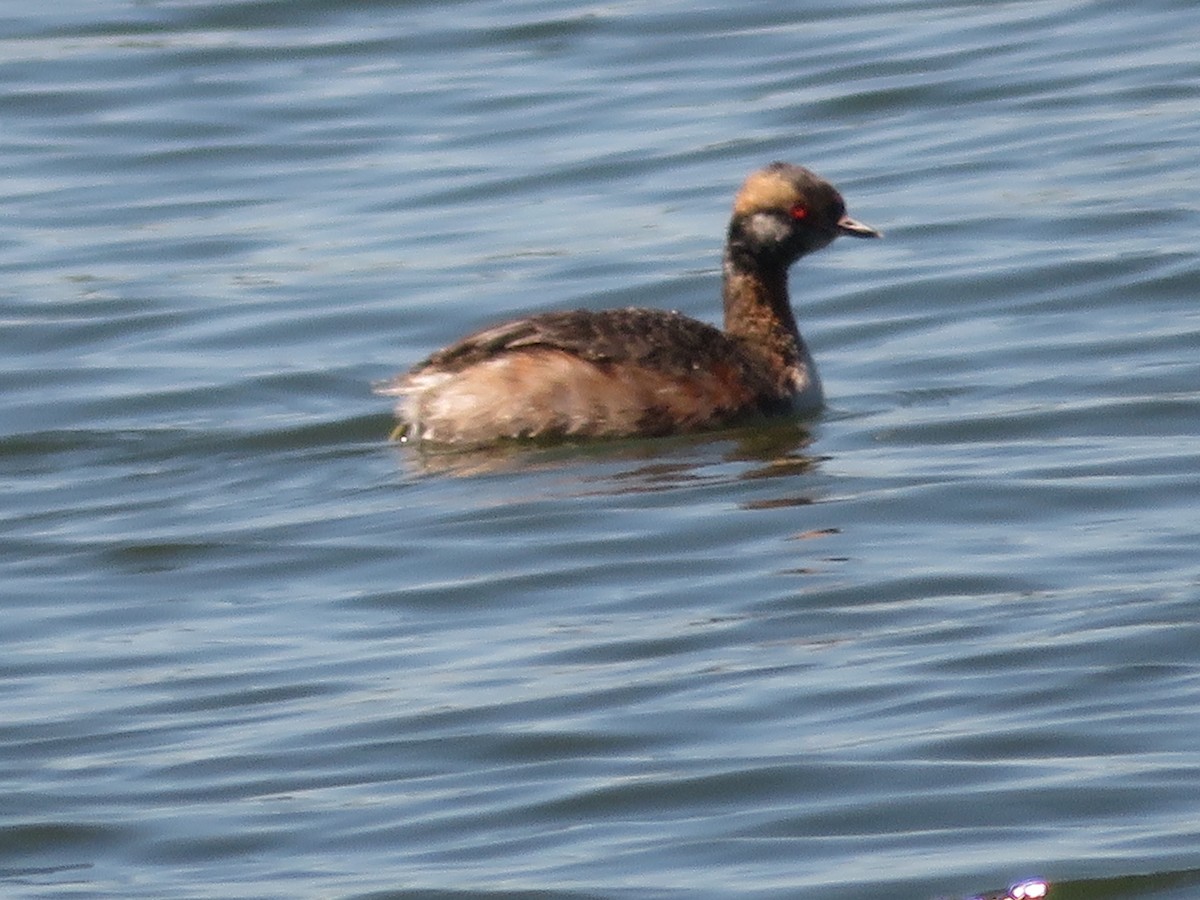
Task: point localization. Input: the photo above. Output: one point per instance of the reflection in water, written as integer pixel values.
(1162, 885)
(770, 450)
(1184, 883)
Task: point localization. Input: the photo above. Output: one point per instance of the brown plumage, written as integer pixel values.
(633, 371)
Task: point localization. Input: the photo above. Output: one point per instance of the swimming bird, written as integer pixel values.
(634, 371)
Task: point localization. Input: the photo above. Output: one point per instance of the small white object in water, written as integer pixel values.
(1034, 889)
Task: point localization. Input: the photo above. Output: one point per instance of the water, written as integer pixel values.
(939, 640)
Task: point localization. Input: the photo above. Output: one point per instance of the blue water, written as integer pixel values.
(941, 639)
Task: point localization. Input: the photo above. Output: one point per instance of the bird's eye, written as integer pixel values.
(798, 211)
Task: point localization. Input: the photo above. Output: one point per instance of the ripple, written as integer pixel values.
(930, 642)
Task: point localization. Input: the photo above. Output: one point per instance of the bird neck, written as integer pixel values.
(757, 307)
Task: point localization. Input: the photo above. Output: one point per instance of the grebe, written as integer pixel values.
(626, 372)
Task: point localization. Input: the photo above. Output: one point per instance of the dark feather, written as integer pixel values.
(665, 341)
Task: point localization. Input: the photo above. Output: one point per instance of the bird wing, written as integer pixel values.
(655, 338)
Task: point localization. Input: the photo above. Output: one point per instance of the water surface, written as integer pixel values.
(940, 639)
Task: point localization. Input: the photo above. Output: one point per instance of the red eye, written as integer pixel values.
(799, 211)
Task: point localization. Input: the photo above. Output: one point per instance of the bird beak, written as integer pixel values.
(854, 228)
